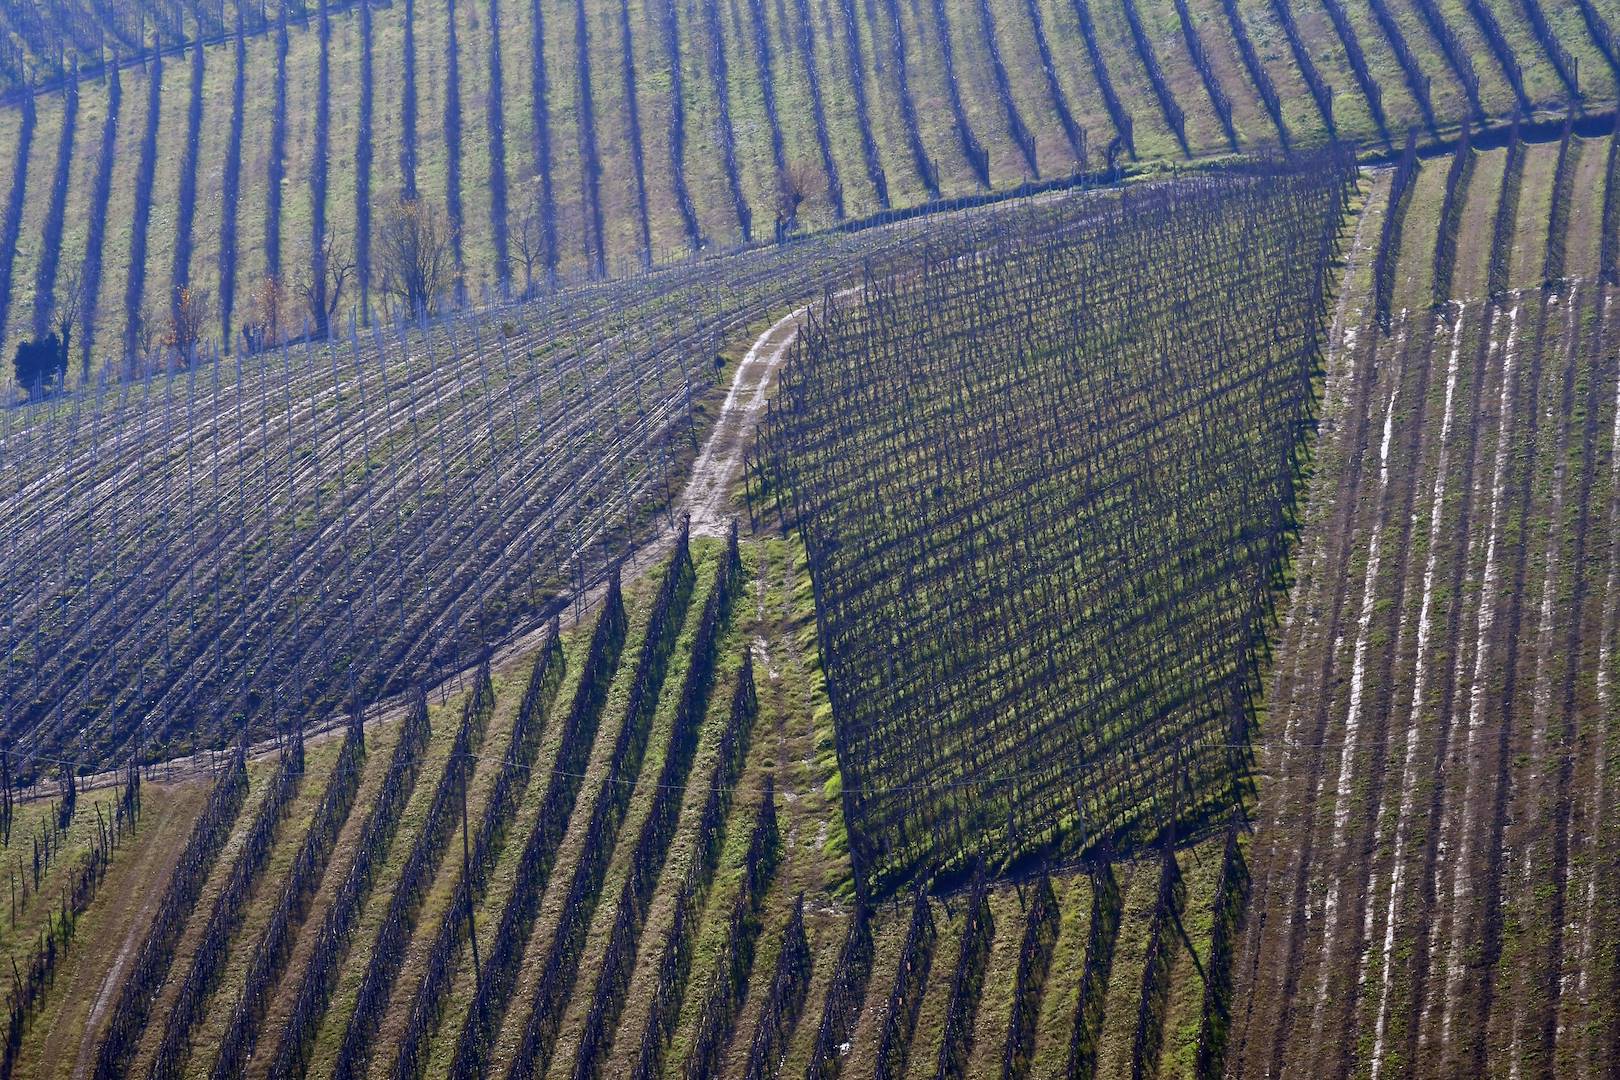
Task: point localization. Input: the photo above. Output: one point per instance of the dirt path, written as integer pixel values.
(707, 498)
(63, 1042)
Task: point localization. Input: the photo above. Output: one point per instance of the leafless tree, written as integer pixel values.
(794, 184)
(148, 337)
(413, 247)
(261, 329)
(186, 317)
(529, 241)
(323, 306)
(65, 309)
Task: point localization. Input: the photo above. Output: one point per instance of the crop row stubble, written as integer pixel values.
(1016, 128)
(806, 40)
(926, 171)
(11, 226)
(1121, 119)
(784, 999)
(611, 805)
(96, 231)
(1419, 84)
(50, 248)
(335, 936)
(973, 150)
(231, 188)
(1257, 71)
(186, 213)
(1200, 60)
(720, 75)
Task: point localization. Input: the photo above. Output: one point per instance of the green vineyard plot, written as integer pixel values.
(1009, 633)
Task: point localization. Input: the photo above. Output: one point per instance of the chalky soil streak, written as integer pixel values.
(1350, 738)
(1490, 913)
(1426, 923)
(1293, 760)
(1597, 803)
(1460, 812)
(1355, 842)
(1409, 790)
(1531, 836)
(1573, 829)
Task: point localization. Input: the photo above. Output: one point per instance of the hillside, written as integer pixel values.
(912, 539)
(261, 170)
(637, 908)
(314, 917)
(1041, 570)
(1442, 741)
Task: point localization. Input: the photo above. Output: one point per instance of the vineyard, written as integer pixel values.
(1430, 857)
(1042, 569)
(912, 539)
(208, 176)
(612, 857)
(624, 840)
(315, 528)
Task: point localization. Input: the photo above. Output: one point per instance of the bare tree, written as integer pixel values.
(413, 250)
(186, 316)
(323, 305)
(261, 329)
(794, 184)
(65, 308)
(147, 336)
(529, 241)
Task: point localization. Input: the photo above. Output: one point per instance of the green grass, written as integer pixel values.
(703, 159)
